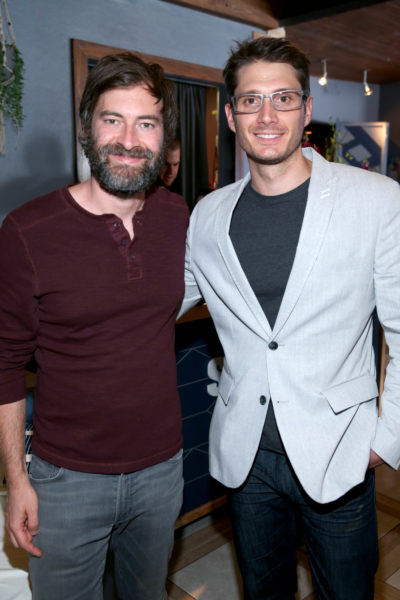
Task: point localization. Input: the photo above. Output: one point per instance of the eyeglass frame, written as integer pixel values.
(304, 96)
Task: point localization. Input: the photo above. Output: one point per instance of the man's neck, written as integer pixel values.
(90, 196)
(273, 180)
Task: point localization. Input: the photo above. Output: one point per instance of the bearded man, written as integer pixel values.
(92, 275)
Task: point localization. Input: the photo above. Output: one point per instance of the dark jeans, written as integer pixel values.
(341, 537)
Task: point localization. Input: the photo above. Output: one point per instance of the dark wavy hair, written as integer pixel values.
(270, 50)
(127, 70)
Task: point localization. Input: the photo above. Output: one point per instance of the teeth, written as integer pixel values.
(267, 136)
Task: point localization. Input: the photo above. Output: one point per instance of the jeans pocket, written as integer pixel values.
(42, 471)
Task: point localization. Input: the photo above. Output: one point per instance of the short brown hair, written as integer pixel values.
(269, 50)
(174, 145)
(127, 70)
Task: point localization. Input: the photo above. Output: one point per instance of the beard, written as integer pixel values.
(276, 160)
(123, 181)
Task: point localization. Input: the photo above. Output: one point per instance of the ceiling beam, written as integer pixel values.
(252, 12)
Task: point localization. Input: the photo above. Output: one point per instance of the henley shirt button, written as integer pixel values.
(133, 255)
(124, 241)
(262, 400)
(116, 225)
(273, 345)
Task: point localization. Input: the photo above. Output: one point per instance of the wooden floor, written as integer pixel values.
(192, 548)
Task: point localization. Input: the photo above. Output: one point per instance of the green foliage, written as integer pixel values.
(11, 87)
(333, 144)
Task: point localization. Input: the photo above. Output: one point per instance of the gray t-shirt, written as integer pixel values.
(265, 231)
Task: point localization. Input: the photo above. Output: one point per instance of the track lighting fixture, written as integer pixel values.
(324, 79)
(367, 90)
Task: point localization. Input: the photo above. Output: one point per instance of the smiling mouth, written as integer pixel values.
(268, 136)
(128, 160)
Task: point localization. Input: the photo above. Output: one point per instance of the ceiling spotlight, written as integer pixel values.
(367, 90)
(324, 79)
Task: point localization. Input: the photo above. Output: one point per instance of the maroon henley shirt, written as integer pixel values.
(97, 311)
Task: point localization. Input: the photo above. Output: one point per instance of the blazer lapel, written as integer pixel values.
(232, 263)
(318, 212)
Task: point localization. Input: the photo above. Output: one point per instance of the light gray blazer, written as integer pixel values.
(321, 375)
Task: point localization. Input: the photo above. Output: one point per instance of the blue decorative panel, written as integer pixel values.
(365, 145)
(199, 363)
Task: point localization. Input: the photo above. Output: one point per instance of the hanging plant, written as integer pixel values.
(11, 77)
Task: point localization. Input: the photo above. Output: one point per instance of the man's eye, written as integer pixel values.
(287, 99)
(250, 100)
(111, 121)
(147, 125)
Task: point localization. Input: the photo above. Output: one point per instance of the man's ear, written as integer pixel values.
(230, 117)
(308, 111)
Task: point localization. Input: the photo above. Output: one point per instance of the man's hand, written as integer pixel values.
(374, 460)
(22, 516)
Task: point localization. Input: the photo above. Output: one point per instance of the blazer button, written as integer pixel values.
(262, 400)
(273, 345)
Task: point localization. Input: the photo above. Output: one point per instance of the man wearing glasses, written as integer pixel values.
(292, 261)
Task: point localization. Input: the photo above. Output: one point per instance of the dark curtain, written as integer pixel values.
(193, 172)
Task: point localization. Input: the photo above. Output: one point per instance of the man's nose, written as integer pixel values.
(267, 112)
(129, 137)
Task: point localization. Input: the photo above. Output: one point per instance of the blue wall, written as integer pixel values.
(41, 157)
(344, 101)
(389, 110)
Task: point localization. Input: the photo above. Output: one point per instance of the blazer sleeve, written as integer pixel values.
(192, 292)
(387, 292)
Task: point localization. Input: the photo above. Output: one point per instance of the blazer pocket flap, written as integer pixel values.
(225, 386)
(350, 393)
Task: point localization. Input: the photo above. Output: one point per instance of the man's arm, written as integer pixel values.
(192, 292)
(19, 322)
(22, 513)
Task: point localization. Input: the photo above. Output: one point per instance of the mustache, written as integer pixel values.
(119, 150)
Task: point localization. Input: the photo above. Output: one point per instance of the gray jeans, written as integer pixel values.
(81, 515)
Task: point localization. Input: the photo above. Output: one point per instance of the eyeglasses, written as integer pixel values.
(252, 103)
